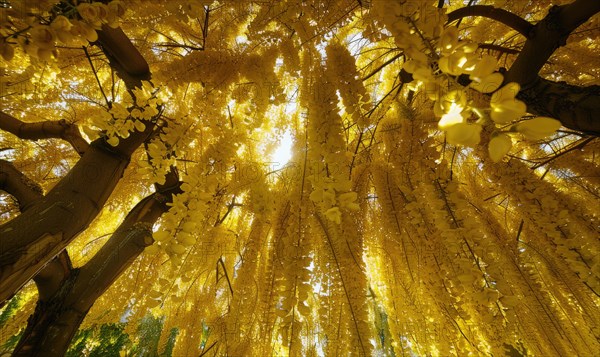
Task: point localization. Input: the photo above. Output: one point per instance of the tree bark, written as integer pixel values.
(575, 107)
(547, 36)
(38, 235)
(55, 321)
(133, 68)
(509, 19)
(44, 130)
(23, 189)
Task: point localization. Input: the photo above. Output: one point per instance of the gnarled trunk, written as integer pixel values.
(35, 237)
(55, 320)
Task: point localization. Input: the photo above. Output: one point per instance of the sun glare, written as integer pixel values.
(283, 152)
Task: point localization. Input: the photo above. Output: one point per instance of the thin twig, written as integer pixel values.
(108, 103)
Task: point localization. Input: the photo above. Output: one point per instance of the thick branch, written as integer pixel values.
(21, 187)
(54, 323)
(27, 192)
(576, 107)
(49, 280)
(502, 49)
(44, 130)
(29, 241)
(546, 37)
(508, 18)
(128, 62)
(40, 233)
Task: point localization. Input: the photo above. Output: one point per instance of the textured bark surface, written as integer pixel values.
(546, 36)
(56, 320)
(24, 190)
(577, 108)
(44, 130)
(38, 235)
(494, 13)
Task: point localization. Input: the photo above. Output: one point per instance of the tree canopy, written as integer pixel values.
(255, 178)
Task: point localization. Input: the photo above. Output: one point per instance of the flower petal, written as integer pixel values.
(499, 146)
(538, 128)
(464, 134)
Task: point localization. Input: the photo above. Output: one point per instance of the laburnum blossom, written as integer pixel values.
(464, 134)
(505, 107)
(538, 128)
(499, 146)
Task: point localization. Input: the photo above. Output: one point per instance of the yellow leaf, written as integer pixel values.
(152, 249)
(347, 198)
(505, 108)
(508, 110)
(186, 239)
(538, 128)
(189, 227)
(334, 214)
(508, 92)
(178, 248)
(487, 84)
(139, 125)
(499, 146)
(161, 236)
(464, 134)
(454, 116)
(154, 294)
(485, 67)
(113, 141)
(153, 303)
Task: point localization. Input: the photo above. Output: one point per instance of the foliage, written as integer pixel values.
(421, 209)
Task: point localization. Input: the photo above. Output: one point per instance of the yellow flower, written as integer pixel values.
(119, 111)
(113, 141)
(487, 84)
(538, 128)
(101, 10)
(452, 117)
(61, 23)
(161, 236)
(89, 13)
(43, 36)
(505, 108)
(83, 32)
(499, 146)
(464, 134)
(334, 214)
(449, 39)
(484, 67)
(178, 248)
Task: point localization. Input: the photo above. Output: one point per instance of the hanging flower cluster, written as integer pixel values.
(76, 25)
(180, 222)
(125, 117)
(195, 204)
(436, 60)
(331, 195)
(164, 149)
(332, 190)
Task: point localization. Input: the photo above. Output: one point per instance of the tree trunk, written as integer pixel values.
(35, 237)
(575, 107)
(55, 321)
